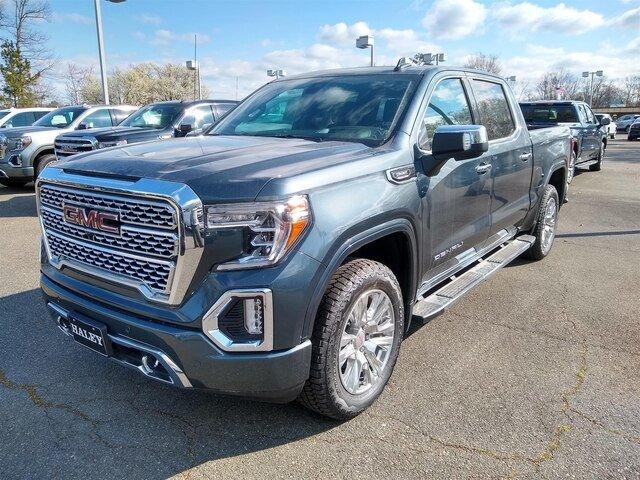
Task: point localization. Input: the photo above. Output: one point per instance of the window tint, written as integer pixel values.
(494, 109)
(223, 108)
(22, 119)
(590, 117)
(541, 113)
(98, 119)
(448, 105)
(40, 114)
(158, 115)
(199, 117)
(61, 117)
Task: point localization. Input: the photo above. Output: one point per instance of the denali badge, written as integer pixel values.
(104, 221)
(449, 250)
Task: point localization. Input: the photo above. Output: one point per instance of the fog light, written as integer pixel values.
(253, 315)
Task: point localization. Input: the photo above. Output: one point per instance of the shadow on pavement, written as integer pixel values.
(598, 234)
(103, 420)
(21, 204)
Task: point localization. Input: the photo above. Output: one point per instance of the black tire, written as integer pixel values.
(43, 161)
(538, 250)
(324, 391)
(596, 167)
(13, 182)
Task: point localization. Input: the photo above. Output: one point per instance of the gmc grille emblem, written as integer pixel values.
(95, 219)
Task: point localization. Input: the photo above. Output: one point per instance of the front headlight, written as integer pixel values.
(117, 143)
(271, 228)
(23, 142)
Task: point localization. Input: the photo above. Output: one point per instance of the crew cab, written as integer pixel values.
(589, 134)
(25, 151)
(21, 117)
(155, 121)
(285, 253)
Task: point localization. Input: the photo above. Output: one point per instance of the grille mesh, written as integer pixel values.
(135, 211)
(153, 275)
(156, 243)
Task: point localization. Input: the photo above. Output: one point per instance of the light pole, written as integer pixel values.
(429, 58)
(195, 66)
(366, 41)
(103, 62)
(276, 73)
(597, 73)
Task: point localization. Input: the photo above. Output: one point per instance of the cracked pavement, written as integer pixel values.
(533, 375)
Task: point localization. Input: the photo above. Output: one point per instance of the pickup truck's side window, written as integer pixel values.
(200, 117)
(590, 117)
(494, 109)
(448, 105)
(99, 118)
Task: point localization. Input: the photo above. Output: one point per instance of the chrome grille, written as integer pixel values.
(161, 244)
(135, 211)
(153, 274)
(144, 254)
(66, 146)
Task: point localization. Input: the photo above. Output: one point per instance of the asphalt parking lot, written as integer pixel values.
(534, 375)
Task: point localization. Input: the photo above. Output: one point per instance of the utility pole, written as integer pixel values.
(103, 62)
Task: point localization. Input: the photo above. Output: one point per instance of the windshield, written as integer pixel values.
(153, 116)
(362, 108)
(550, 113)
(4, 113)
(60, 118)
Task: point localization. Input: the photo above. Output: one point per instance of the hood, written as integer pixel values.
(218, 168)
(107, 134)
(19, 131)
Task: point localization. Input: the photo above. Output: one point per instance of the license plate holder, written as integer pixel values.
(90, 333)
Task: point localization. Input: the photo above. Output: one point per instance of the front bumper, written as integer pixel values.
(9, 171)
(188, 357)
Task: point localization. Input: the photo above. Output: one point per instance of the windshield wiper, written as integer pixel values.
(302, 137)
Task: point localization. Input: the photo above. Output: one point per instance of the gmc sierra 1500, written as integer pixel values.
(284, 254)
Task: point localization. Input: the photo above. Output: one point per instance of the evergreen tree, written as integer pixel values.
(19, 83)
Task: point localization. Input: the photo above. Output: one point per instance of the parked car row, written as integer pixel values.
(26, 150)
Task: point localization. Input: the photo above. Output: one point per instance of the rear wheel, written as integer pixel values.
(545, 229)
(356, 340)
(596, 167)
(43, 161)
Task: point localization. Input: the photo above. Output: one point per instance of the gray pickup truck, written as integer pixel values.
(285, 253)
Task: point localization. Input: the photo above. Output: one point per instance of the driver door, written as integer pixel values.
(457, 204)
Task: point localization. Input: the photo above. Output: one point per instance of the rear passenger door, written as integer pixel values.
(510, 153)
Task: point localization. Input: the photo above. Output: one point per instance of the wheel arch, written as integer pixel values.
(37, 157)
(392, 243)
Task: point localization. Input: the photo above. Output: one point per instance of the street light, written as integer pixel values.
(276, 73)
(195, 67)
(103, 62)
(366, 41)
(597, 73)
(429, 58)
(511, 79)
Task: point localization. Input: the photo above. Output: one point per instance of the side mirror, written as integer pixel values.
(83, 126)
(184, 129)
(605, 121)
(459, 142)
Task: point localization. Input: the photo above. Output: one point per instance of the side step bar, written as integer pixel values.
(457, 286)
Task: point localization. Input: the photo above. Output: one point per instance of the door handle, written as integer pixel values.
(483, 168)
(525, 156)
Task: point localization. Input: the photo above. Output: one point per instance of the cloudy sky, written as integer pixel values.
(243, 38)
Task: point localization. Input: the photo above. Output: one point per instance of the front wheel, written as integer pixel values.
(545, 229)
(356, 340)
(43, 161)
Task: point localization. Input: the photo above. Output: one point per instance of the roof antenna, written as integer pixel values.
(404, 62)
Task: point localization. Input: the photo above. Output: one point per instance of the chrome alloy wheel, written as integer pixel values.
(366, 341)
(549, 225)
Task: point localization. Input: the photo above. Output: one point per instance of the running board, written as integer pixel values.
(441, 299)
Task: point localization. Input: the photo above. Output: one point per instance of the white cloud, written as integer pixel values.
(72, 18)
(629, 19)
(559, 18)
(633, 47)
(454, 18)
(405, 42)
(343, 34)
(150, 19)
(165, 37)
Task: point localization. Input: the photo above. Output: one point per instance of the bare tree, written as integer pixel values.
(557, 84)
(630, 91)
(488, 63)
(76, 78)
